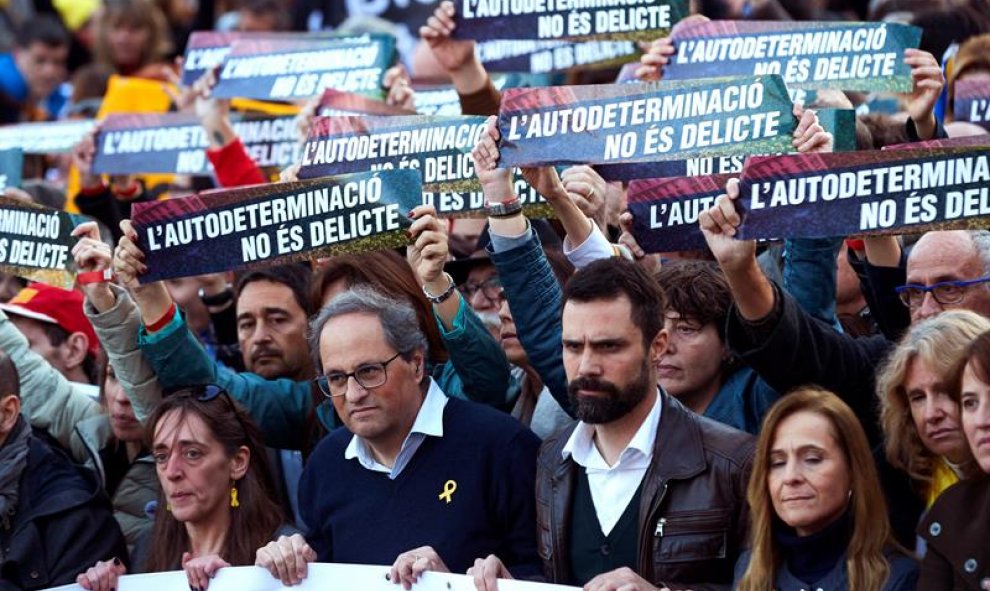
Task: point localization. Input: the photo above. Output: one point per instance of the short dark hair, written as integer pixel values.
(611, 278)
(58, 335)
(10, 380)
(295, 276)
(263, 7)
(696, 290)
(45, 29)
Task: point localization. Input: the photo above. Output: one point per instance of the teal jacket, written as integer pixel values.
(477, 370)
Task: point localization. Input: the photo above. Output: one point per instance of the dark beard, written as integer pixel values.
(596, 410)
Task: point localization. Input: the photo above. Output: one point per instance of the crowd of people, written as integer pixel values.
(504, 397)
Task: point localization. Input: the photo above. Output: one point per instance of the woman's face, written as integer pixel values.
(128, 43)
(124, 424)
(975, 404)
(808, 475)
(934, 413)
(193, 469)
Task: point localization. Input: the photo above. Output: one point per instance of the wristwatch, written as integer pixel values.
(504, 209)
(443, 297)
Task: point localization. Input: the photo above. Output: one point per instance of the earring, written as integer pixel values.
(234, 503)
(168, 507)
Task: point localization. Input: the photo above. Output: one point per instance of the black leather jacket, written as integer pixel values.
(693, 515)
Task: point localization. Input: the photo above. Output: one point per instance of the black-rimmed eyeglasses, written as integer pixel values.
(368, 376)
(944, 292)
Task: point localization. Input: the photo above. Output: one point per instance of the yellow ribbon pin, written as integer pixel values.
(448, 490)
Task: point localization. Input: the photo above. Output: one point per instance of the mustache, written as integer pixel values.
(594, 384)
(265, 351)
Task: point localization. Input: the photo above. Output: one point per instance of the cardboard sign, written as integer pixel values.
(176, 143)
(11, 168)
(842, 56)
(557, 19)
(56, 137)
(292, 69)
(665, 210)
(972, 102)
(439, 148)
(275, 223)
(616, 123)
(859, 193)
(36, 242)
(545, 57)
(841, 123)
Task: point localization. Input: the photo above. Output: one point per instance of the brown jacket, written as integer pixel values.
(693, 516)
(957, 531)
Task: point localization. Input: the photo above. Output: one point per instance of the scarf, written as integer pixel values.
(13, 460)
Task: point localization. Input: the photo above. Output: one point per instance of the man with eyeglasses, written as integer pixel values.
(417, 480)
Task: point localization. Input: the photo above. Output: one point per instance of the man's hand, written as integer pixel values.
(586, 188)
(128, 259)
(656, 54)
(452, 54)
(82, 158)
(286, 558)
(719, 224)
(495, 182)
(622, 579)
(213, 113)
(928, 83)
(410, 565)
(486, 571)
(430, 250)
(809, 136)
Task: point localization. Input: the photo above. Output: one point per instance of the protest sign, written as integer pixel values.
(336, 102)
(545, 57)
(665, 211)
(555, 19)
(972, 102)
(858, 193)
(439, 148)
(275, 223)
(846, 56)
(841, 123)
(288, 69)
(614, 123)
(56, 137)
(176, 143)
(319, 577)
(36, 242)
(11, 167)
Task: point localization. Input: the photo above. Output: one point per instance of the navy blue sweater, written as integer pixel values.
(359, 516)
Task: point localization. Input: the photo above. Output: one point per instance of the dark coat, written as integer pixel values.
(957, 531)
(692, 516)
(62, 526)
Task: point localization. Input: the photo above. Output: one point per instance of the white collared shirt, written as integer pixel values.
(429, 421)
(613, 487)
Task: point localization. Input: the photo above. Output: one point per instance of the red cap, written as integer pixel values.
(46, 303)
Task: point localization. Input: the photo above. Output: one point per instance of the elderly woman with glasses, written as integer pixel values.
(216, 502)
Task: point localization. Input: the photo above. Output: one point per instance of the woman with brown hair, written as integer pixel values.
(955, 529)
(922, 432)
(132, 37)
(216, 502)
(818, 516)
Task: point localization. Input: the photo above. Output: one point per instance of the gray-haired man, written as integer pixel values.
(414, 474)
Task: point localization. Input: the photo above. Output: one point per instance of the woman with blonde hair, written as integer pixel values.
(923, 434)
(133, 38)
(818, 515)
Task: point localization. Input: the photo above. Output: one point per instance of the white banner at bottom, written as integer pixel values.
(321, 577)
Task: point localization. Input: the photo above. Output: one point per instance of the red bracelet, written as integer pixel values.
(104, 276)
(129, 191)
(163, 321)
